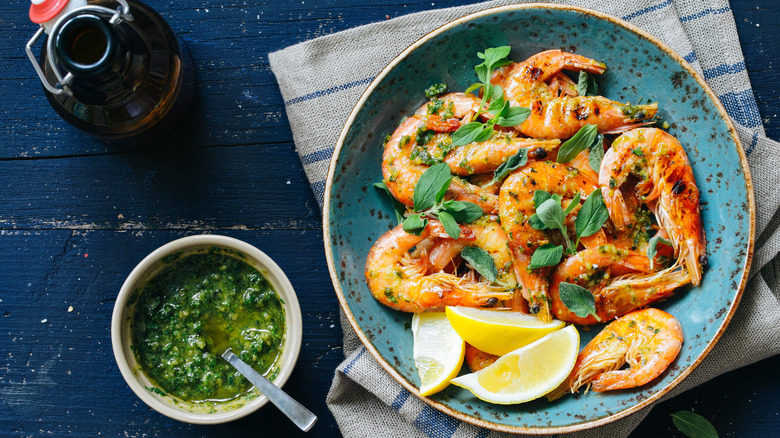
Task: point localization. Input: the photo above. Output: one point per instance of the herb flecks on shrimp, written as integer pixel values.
(400, 273)
(560, 116)
(647, 340)
(518, 201)
(665, 183)
(519, 194)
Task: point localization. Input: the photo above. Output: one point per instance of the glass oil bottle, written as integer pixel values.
(113, 69)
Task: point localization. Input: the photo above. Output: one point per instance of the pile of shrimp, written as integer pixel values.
(648, 188)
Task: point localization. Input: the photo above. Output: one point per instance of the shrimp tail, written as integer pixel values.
(642, 368)
(616, 205)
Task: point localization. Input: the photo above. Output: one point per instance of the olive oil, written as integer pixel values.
(126, 79)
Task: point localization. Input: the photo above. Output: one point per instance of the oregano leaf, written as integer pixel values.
(596, 153)
(693, 425)
(516, 161)
(578, 299)
(431, 186)
(577, 143)
(592, 215)
(574, 203)
(481, 261)
(415, 224)
(546, 255)
(398, 207)
(551, 214)
(464, 212)
(449, 223)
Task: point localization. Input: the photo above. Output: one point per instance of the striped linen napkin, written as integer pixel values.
(327, 75)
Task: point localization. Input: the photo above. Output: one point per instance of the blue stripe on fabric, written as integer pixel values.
(704, 13)
(317, 156)
(724, 69)
(328, 91)
(742, 107)
(647, 10)
(400, 399)
(483, 433)
(753, 143)
(436, 424)
(691, 57)
(352, 362)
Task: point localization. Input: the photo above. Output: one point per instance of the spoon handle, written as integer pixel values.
(299, 415)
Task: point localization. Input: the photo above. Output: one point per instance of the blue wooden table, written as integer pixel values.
(76, 216)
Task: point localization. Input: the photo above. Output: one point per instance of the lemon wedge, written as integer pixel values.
(438, 351)
(528, 372)
(498, 332)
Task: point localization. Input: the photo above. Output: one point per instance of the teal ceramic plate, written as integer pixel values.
(356, 213)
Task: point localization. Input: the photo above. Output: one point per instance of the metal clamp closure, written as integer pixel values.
(122, 13)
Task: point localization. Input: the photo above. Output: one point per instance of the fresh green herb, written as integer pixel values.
(546, 255)
(435, 90)
(550, 215)
(638, 152)
(596, 153)
(574, 202)
(586, 85)
(578, 299)
(536, 223)
(480, 260)
(431, 186)
(553, 217)
(540, 196)
(415, 224)
(497, 106)
(463, 212)
(583, 139)
(519, 159)
(428, 199)
(693, 425)
(398, 207)
(450, 226)
(592, 216)
(652, 248)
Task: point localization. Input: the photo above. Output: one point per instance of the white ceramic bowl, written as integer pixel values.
(122, 340)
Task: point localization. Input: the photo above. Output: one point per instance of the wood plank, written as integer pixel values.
(258, 187)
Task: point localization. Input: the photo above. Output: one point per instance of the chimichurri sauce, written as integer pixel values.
(188, 314)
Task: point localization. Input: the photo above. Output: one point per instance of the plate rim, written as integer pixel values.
(542, 429)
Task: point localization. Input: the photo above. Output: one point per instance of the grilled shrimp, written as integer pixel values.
(597, 270)
(665, 182)
(425, 139)
(403, 279)
(516, 206)
(556, 114)
(488, 155)
(401, 173)
(648, 340)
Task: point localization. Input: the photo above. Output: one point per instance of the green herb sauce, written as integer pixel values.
(189, 313)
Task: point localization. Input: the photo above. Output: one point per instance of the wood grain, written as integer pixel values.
(77, 215)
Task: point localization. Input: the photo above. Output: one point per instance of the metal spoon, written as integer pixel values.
(299, 415)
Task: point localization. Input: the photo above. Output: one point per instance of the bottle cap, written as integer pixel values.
(44, 10)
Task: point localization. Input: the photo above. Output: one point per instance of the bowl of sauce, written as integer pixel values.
(183, 306)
